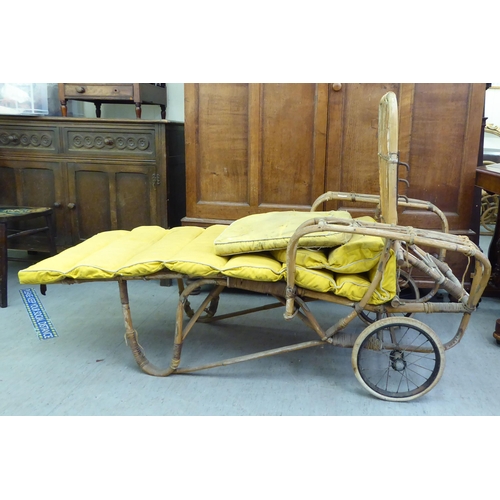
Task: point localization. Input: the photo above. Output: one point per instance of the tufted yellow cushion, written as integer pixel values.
(305, 257)
(319, 280)
(139, 252)
(255, 267)
(198, 259)
(354, 286)
(149, 249)
(360, 254)
(272, 231)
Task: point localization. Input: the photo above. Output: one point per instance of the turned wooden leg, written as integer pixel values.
(64, 108)
(163, 111)
(138, 110)
(98, 109)
(3, 265)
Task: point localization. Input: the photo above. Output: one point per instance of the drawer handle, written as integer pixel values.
(80, 90)
(57, 204)
(336, 86)
(71, 206)
(108, 141)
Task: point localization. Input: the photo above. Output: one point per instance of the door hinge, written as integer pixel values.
(156, 179)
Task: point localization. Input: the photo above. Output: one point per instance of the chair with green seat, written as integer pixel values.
(8, 217)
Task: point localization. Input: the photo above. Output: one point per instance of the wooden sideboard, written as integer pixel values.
(97, 174)
(253, 148)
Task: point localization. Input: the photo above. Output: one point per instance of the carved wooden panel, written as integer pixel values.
(111, 141)
(28, 138)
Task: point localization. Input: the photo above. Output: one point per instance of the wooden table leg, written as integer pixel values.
(138, 110)
(64, 108)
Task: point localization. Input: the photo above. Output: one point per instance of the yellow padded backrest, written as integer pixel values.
(272, 231)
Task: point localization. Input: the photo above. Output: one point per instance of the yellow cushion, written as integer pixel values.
(198, 258)
(360, 254)
(256, 267)
(305, 257)
(272, 231)
(319, 280)
(139, 252)
(354, 286)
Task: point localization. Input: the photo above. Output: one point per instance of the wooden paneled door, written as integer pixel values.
(439, 137)
(253, 148)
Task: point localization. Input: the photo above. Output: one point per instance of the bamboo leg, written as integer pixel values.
(131, 338)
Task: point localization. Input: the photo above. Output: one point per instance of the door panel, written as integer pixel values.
(111, 196)
(252, 148)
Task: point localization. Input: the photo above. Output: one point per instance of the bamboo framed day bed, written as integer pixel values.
(364, 264)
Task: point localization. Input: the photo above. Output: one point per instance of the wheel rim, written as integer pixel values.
(398, 359)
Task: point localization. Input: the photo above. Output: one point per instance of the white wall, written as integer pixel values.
(175, 107)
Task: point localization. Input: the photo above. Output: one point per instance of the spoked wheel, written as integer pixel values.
(408, 292)
(398, 359)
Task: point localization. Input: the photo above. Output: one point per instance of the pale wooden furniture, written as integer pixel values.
(254, 148)
(114, 93)
(96, 174)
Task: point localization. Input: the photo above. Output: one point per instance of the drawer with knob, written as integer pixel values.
(109, 91)
(37, 139)
(112, 141)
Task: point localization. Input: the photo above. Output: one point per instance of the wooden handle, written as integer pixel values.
(71, 206)
(336, 86)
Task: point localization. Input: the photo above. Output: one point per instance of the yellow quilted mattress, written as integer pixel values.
(190, 251)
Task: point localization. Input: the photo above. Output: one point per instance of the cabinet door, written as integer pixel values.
(439, 137)
(253, 148)
(107, 196)
(37, 184)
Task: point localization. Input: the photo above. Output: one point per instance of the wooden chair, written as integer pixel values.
(9, 215)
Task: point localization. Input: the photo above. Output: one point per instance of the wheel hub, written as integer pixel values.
(398, 361)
